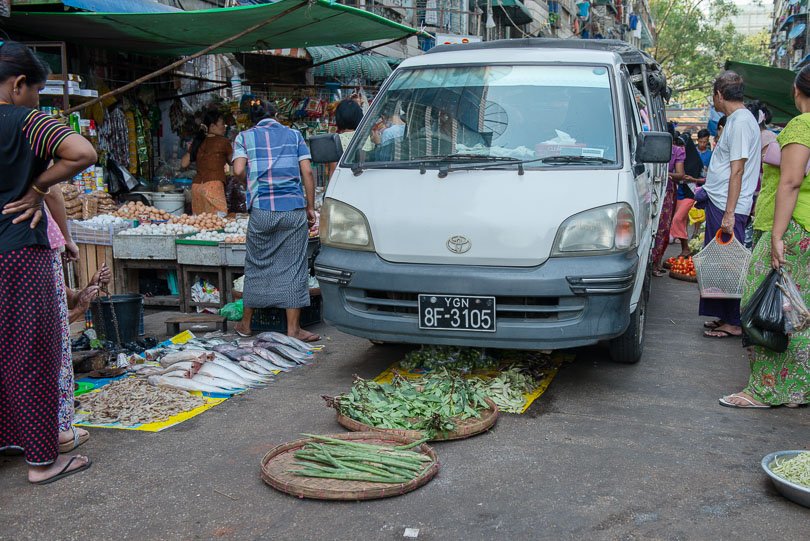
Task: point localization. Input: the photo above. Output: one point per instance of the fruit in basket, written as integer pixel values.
(683, 266)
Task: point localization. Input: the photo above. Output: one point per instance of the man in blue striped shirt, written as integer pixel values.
(275, 161)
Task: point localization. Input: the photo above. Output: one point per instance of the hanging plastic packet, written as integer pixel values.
(795, 312)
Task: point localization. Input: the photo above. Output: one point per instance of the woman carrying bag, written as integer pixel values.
(783, 225)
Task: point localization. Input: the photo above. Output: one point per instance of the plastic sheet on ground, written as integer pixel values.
(211, 400)
(557, 359)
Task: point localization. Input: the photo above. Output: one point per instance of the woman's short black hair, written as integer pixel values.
(703, 133)
(722, 122)
(756, 107)
(348, 115)
(17, 59)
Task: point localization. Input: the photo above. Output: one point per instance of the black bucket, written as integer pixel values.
(127, 311)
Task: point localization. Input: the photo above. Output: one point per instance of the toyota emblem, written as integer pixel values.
(458, 244)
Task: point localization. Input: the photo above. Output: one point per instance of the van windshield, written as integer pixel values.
(499, 113)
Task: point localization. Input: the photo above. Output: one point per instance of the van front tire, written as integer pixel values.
(627, 348)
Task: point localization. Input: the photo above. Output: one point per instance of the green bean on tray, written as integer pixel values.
(796, 469)
(331, 458)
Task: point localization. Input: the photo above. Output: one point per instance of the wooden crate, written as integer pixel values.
(91, 258)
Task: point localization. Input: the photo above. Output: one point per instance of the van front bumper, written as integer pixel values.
(563, 303)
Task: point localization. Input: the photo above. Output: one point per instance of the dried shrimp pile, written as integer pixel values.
(134, 401)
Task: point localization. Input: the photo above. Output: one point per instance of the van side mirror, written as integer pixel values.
(327, 148)
(654, 147)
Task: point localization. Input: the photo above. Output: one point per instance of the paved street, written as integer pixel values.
(609, 452)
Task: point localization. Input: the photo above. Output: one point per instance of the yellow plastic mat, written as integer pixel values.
(557, 359)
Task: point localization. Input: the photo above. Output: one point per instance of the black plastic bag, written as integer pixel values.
(753, 335)
(768, 315)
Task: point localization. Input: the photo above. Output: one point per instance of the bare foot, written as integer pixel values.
(305, 336)
(37, 474)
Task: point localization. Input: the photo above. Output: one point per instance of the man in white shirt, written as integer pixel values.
(730, 184)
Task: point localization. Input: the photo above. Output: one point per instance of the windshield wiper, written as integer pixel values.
(575, 159)
(473, 161)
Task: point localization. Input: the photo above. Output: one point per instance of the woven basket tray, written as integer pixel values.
(280, 459)
(684, 277)
(464, 428)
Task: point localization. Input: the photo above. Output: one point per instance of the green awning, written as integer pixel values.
(514, 9)
(772, 86)
(363, 66)
(320, 22)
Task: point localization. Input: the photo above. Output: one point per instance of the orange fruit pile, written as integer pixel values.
(682, 265)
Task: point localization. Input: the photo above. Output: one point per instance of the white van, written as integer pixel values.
(500, 194)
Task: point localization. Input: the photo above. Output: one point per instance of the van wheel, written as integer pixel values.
(627, 348)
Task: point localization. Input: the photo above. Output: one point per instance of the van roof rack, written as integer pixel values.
(628, 53)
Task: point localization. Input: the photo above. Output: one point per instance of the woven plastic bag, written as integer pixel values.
(721, 268)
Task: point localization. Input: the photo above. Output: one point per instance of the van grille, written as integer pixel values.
(406, 304)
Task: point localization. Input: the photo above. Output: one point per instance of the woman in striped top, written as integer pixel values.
(30, 339)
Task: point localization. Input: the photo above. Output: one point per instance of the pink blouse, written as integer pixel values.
(55, 237)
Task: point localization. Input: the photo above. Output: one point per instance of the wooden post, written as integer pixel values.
(185, 59)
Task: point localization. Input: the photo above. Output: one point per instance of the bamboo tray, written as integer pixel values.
(280, 459)
(683, 277)
(465, 428)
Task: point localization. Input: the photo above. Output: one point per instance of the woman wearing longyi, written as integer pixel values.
(30, 335)
(783, 239)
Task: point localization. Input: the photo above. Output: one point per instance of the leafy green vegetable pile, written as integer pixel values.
(451, 358)
(508, 390)
(430, 404)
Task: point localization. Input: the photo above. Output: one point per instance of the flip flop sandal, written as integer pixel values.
(711, 325)
(723, 334)
(313, 338)
(65, 472)
(751, 404)
(243, 335)
(78, 440)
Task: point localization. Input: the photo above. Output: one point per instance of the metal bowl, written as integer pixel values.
(791, 491)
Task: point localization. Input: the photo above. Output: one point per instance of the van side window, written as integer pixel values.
(633, 117)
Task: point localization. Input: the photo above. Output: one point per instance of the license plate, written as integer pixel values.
(457, 313)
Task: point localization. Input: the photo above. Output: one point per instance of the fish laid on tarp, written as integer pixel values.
(271, 358)
(245, 342)
(236, 354)
(216, 382)
(185, 384)
(288, 341)
(267, 365)
(289, 353)
(254, 367)
(219, 372)
(238, 370)
(180, 356)
(224, 347)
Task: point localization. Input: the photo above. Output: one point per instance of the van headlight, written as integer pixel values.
(605, 229)
(343, 226)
